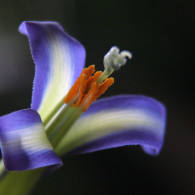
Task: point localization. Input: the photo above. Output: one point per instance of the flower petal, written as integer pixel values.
(23, 141)
(59, 60)
(118, 121)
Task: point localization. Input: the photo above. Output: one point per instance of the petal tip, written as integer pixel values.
(24, 144)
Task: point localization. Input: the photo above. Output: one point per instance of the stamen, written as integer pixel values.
(80, 84)
(94, 78)
(95, 92)
(86, 89)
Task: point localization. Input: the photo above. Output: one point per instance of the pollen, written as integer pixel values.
(86, 90)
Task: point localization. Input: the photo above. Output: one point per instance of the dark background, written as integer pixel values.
(160, 35)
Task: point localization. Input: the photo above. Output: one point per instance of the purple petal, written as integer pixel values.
(59, 60)
(118, 121)
(23, 141)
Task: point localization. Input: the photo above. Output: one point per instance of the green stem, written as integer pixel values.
(2, 170)
(18, 182)
(58, 118)
(104, 75)
(56, 121)
(72, 117)
(58, 106)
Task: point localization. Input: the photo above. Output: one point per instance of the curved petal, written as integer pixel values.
(59, 60)
(23, 141)
(118, 121)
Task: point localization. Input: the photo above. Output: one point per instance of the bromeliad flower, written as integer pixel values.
(62, 118)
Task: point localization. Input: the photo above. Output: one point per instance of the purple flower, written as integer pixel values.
(37, 136)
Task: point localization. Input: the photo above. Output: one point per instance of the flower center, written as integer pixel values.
(89, 85)
(86, 88)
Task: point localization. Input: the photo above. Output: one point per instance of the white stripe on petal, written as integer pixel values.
(59, 60)
(61, 75)
(24, 143)
(103, 123)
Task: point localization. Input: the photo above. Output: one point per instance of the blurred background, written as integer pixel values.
(160, 34)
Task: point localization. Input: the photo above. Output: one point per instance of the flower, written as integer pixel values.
(61, 120)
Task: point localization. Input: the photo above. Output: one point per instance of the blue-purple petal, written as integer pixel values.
(118, 121)
(24, 144)
(59, 60)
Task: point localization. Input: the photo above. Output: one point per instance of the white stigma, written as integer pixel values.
(114, 59)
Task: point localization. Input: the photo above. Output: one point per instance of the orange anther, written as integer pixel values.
(86, 89)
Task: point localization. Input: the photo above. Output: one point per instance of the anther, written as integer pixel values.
(86, 89)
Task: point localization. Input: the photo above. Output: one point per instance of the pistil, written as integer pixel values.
(113, 60)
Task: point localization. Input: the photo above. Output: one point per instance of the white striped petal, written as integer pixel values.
(24, 143)
(118, 121)
(58, 58)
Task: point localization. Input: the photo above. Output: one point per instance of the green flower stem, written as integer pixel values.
(49, 117)
(56, 120)
(72, 117)
(2, 170)
(19, 182)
